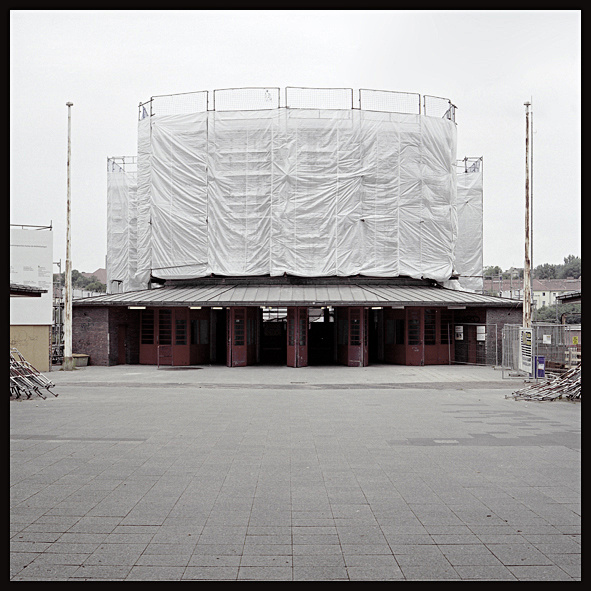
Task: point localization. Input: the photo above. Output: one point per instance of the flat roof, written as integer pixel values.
(298, 295)
(572, 297)
(19, 290)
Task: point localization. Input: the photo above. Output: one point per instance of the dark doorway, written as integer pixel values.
(273, 342)
(122, 344)
(321, 348)
(219, 331)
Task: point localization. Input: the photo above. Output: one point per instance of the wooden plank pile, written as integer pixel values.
(566, 385)
(25, 380)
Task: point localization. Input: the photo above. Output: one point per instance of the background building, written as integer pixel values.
(31, 318)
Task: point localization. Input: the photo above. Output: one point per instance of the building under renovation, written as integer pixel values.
(309, 226)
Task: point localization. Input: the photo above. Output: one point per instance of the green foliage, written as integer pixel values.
(570, 268)
(545, 271)
(79, 281)
(554, 313)
(492, 271)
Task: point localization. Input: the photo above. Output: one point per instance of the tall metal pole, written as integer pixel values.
(68, 363)
(527, 263)
(531, 200)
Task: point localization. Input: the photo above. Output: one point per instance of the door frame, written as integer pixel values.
(297, 336)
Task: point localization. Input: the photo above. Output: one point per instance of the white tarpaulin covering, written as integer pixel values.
(305, 192)
(470, 234)
(121, 229)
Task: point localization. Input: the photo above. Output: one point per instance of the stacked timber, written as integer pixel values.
(566, 385)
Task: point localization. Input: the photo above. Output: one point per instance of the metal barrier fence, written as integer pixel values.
(436, 106)
(246, 99)
(296, 97)
(318, 98)
(552, 342)
(470, 164)
(389, 101)
(127, 164)
(475, 343)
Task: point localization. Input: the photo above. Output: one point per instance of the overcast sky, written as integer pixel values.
(488, 63)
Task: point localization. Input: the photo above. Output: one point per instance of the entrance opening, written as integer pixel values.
(220, 348)
(321, 337)
(273, 348)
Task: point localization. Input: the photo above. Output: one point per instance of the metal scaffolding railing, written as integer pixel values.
(297, 97)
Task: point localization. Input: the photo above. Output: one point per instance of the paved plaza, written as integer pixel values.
(276, 473)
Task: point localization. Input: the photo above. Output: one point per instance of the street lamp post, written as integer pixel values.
(68, 363)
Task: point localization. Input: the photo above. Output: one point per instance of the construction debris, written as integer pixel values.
(567, 385)
(25, 379)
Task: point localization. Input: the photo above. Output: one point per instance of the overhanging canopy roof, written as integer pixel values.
(298, 295)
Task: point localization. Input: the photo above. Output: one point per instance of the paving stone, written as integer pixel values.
(344, 477)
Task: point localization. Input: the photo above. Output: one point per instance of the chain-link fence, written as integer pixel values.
(263, 98)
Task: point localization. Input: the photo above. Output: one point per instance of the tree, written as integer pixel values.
(545, 271)
(553, 313)
(79, 281)
(571, 267)
(492, 271)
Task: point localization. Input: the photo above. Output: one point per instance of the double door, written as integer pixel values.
(164, 336)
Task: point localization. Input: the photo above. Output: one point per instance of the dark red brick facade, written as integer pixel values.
(109, 335)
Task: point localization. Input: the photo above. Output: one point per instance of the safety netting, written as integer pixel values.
(469, 245)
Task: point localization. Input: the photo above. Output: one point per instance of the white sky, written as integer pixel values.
(488, 63)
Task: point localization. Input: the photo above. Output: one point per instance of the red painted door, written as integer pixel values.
(163, 338)
(172, 338)
(297, 337)
(237, 347)
(415, 354)
(357, 349)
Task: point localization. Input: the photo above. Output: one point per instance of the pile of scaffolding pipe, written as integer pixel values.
(25, 379)
(567, 385)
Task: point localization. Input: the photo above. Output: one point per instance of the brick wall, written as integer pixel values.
(95, 332)
(90, 333)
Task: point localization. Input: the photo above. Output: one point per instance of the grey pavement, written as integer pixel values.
(276, 473)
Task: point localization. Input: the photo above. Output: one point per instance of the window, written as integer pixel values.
(239, 328)
(355, 329)
(303, 326)
(446, 321)
(430, 327)
(147, 327)
(180, 337)
(414, 328)
(165, 327)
